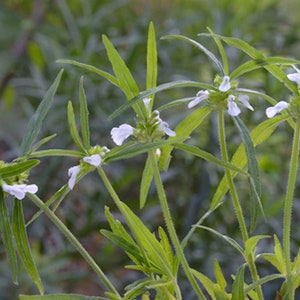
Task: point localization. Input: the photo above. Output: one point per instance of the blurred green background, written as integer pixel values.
(34, 34)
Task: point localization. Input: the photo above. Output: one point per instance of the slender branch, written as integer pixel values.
(69, 235)
(170, 225)
(236, 203)
(288, 207)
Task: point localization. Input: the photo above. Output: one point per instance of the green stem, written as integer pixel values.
(236, 203)
(118, 203)
(170, 225)
(69, 235)
(288, 206)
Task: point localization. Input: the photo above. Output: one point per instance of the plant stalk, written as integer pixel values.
(69, 235)
(288, 207)
(236, 203)
(170, 225)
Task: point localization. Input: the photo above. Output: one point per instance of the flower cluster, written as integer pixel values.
(15, 185)
(281, 105)
(223, 93)
(147, 130)
(92, 161)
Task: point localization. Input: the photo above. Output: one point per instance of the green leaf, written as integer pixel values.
(159, 88)
(126, 81)
(208, 284)
(238, 285)
(208, 157)
(17, 168)
(228, 239)
(255, 54)
(56, 152)
(255, 188)
(219, 276)
(251, 244)
(38, 117)
(22, 243)
(210, 55)
(84, 116)
(258, 135)
(184, 129)
(151, 76)
(222, 51)
(104, 74)
(146, 182)
(43, 141)
(132, 150)
(7, 238)
(61, 297)
(130, 248)
(144, 237)
(73, 128)
(254, 64)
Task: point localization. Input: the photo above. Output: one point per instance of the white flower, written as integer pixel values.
(273, 110)
(233, 109)
(225, 85)
(164, 126)
(72, 173)
(19, 190)
(244, 99)
(121, 133)
(200, 96)
(294, 77)
(94, 160)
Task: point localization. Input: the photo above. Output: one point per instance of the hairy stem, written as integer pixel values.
(236, 203)
(288, 206)
(170, 225)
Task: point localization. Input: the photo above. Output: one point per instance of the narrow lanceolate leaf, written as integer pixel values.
(258, 135)
(255, 187)
(38, 117)
(61, 297)
(222, 51)
(260, 63)
(146, 182)
(238, 285)
(209, 157)
(255, 54)
(159, 88)
(126, 81)
(210, 55)
(73, 128)
(151, 76)
(17, 168)
(22, 243)
(93, 69)
(84, 116)
(7, 238)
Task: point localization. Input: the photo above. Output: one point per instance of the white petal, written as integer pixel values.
(225, 85)
(146, 102)
(233, 109)
(273, 110)
(72, 172)
(244, 99)
(164, 126)
(201, 95)
(121, 133)
(31, 188)
(294, 77)
(19, 190)
(94, 160)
